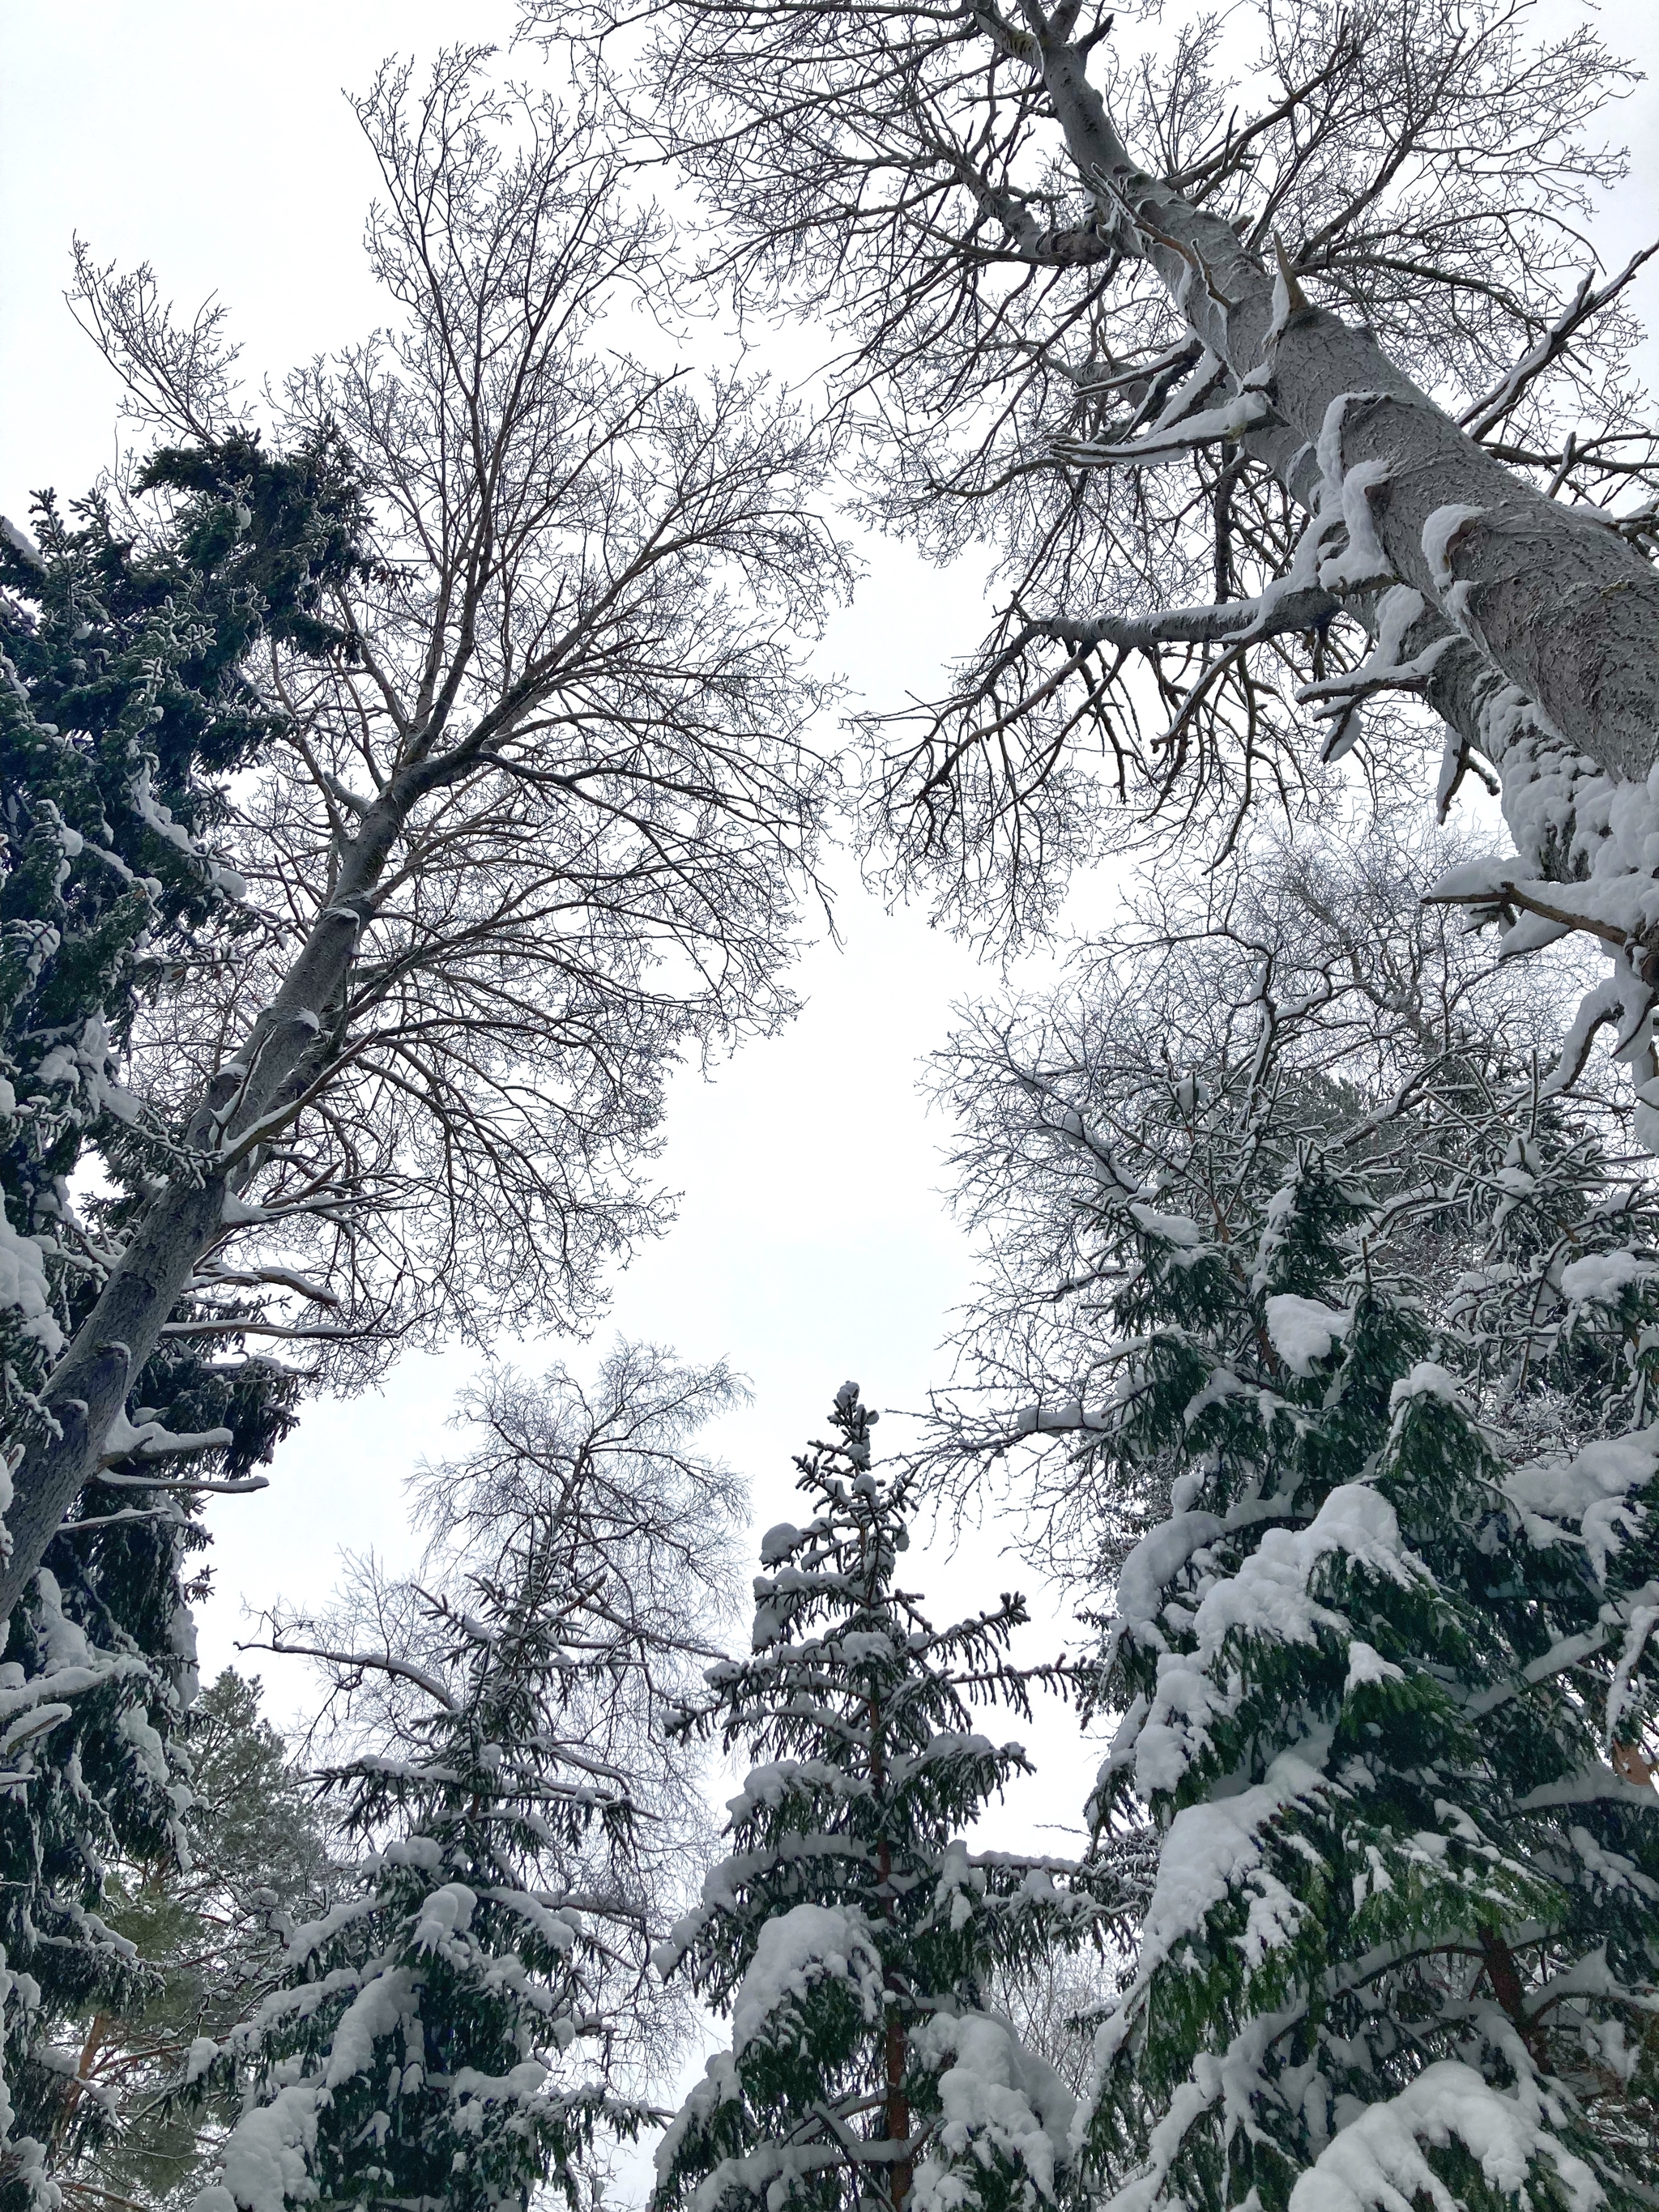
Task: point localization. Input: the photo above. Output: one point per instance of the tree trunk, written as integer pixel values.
(1552, 597)
(88, 1388)
(897, 2112)
(896, 2105)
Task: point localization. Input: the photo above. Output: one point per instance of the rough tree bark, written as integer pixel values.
(1559, 603)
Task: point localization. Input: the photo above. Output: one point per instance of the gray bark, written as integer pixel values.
(88, 1386)
(1554, 600)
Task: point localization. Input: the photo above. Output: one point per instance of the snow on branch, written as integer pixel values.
(1379, 2160)
(1276, 614)
(384, 1662)
(152, 1440)
(1174, 440)
(1484, 415)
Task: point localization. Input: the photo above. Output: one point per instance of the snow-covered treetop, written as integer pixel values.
(859, 1708)
(852, 1935)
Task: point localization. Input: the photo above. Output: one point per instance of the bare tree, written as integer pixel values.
(607, 1482)
(1298, 998)
(1279, 379)
(537, 828)
(1054, 2001)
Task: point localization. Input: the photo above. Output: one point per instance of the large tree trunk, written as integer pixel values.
(1552, 598)
(88, 1386)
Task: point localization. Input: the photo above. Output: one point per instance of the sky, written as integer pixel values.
(814, 1241)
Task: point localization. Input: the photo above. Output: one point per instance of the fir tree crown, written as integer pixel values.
(853, 1933)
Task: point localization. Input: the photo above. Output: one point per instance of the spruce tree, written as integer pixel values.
(477, 2015)
(418, 2049)
(125, 707)
(1383, 1662)
(852, 1936)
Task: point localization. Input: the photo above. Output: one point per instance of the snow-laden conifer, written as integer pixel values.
(257, 1838)
(1370, 1667)
(1363, 1337)
(126, 707)
(852, 1934)
(456, 2029)
(416, 2051)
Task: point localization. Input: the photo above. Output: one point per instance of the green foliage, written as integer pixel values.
(1370, 1659)
(421, 2042)
(205, 1935)
(852, 1936)
(125, 706)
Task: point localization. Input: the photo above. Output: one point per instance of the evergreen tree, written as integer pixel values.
(852, 1936)
(125, 708)
(414, 2053)
(257, 1848)
(478, 2003)
(456, 2029)
(1382, 1664)
(1334, 1324)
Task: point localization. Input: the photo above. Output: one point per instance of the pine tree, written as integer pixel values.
(1382, 1664)
(1334, 1319)
(478, 2005)
(852, 1934)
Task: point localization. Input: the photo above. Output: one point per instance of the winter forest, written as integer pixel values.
(704, 696)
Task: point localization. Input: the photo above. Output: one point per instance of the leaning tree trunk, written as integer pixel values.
(1554, 600)
(250, 1099)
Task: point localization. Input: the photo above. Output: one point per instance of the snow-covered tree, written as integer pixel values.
(852, 1936)
(1364, 1350)
(456, 2028)
(125, 708)
(1372, 1668)
(1264, 349)
(127, 705)
(1312, 973)
(256, 1839)
(536, 825)
(415, 2051)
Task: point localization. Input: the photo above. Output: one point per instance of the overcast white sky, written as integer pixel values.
(212, 139)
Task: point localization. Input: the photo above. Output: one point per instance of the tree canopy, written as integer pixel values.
(401, 774)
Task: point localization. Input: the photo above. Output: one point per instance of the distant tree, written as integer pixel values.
(1311, 973)
(1354, 1438)
(457, 2026)
(207, 1934)
(532, 828)
(852, 1936)
(1056, 2002)
(614, 1473)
